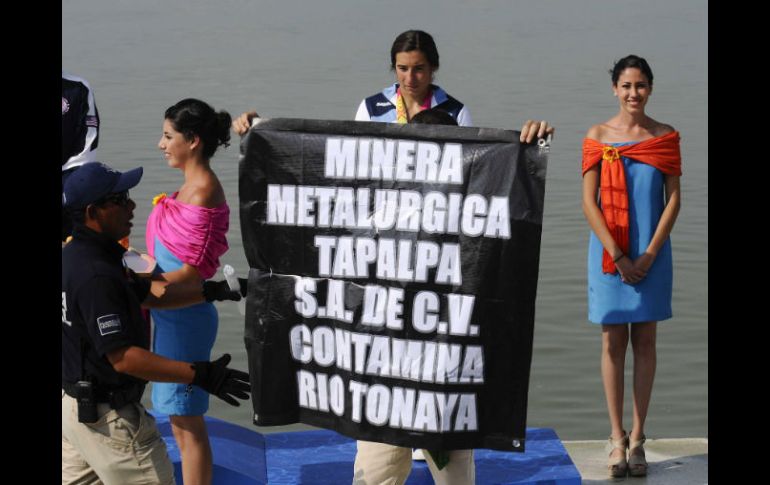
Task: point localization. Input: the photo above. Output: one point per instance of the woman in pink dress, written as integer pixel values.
(186, 235)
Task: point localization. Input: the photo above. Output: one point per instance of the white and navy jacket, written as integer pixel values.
(79, 122)
(382, 106)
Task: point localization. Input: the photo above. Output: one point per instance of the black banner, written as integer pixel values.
(393, 281)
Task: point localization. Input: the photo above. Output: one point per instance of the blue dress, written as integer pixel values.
(185, 334)
(609, 299)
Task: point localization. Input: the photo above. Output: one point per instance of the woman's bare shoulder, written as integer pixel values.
(661, 129)
(596, 132)
(209, 194)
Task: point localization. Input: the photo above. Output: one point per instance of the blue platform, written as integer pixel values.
(245, 457)
(239, 453)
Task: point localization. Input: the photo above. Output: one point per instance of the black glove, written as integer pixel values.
(244, 282)
(220, 291)
(215, 378)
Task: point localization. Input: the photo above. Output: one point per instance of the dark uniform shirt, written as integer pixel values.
(100, 311)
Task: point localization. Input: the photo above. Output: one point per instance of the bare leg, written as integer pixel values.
(193, 441)
(643, 337)
(614, 344)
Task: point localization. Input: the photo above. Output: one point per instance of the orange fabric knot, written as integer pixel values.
(661, 152)
(610, 154)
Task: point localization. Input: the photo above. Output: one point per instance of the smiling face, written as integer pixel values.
(414, 74)
(633, 89)
(175, 147)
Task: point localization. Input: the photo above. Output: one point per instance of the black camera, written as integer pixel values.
(84, 394)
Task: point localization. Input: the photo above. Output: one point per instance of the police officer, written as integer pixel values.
(106, 433)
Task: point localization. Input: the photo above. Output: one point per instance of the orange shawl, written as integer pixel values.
(662, 152)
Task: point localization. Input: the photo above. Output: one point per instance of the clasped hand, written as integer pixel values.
(634, 271)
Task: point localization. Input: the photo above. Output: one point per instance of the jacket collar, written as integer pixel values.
(439, 95)
(112, 248)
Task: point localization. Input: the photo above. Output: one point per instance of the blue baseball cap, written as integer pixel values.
(94, 180)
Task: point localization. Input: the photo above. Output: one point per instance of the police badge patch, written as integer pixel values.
(108, 324)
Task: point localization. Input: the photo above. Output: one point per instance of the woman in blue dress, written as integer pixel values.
(186, 233)
(632, 162)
